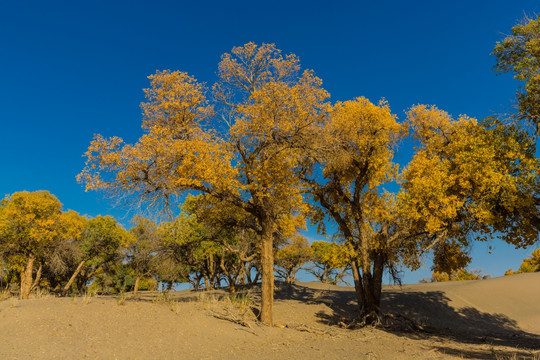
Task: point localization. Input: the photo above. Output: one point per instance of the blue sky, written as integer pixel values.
(69, 70)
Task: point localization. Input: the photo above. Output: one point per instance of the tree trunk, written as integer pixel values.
(26, 278)
(136, 287)
(267, 264)
(368, 287)
(378, 270)
(357, 276)
(74, 276)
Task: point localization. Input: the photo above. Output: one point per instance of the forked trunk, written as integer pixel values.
(27, 282)
(267, 264)
(368, 287)
(74, 276)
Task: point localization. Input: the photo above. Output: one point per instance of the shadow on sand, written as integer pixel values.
(432, 313)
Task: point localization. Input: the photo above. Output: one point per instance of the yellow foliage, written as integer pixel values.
(270, 110)
(531, 264)
(457, 275)
(467, 176)
(31, 223)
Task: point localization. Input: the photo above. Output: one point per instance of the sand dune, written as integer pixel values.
(515, 298)
(496, 318)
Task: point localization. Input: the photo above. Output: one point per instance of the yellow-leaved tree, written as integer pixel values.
(244, 150)
(352, 162)
(466, 180)
(469, 178)
(531, 264)
(31, 224)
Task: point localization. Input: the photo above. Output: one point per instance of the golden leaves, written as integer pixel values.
(479, 175)
(30, 221)
(175, 102)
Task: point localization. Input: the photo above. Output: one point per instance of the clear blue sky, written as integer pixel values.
(69, 70)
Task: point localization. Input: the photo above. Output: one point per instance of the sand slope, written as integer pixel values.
(475, 319)
(513, 300)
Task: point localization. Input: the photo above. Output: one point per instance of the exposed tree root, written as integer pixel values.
(230, 317)
(309, 329)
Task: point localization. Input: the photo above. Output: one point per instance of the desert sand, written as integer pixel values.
(485, 319)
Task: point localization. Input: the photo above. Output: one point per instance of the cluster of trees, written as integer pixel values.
(41, 245)
(269, 146)
(530, 264)
(207, 245)
(266, 151)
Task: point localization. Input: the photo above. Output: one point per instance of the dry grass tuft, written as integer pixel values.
(121, 298)
(236, 308)
(535, 356)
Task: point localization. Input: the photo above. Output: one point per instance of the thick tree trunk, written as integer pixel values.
(267, 263)
(26, 278)
(74, 276)
(368, 287)
(136, 287)
(378, 270)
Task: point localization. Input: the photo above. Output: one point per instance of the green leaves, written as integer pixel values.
(519, 53)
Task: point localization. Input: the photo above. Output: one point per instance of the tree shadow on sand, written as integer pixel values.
(432, 315)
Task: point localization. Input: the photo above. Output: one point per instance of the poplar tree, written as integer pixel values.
(267, 108)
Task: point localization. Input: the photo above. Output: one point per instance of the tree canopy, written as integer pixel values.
(519, 53)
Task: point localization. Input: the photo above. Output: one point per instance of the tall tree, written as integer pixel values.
(351, 163)
(519, 53)
(248, 160)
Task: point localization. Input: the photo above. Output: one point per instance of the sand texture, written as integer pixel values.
(488, 319)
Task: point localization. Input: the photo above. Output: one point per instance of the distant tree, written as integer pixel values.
(519, 53)
(182, 256)
(531, 264)
(143, 252)
(100, 243)
(31, 223)
(291, 257)
(231, 229)
(62, 258)
(330, 261)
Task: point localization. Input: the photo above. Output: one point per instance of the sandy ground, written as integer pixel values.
(488, 319)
